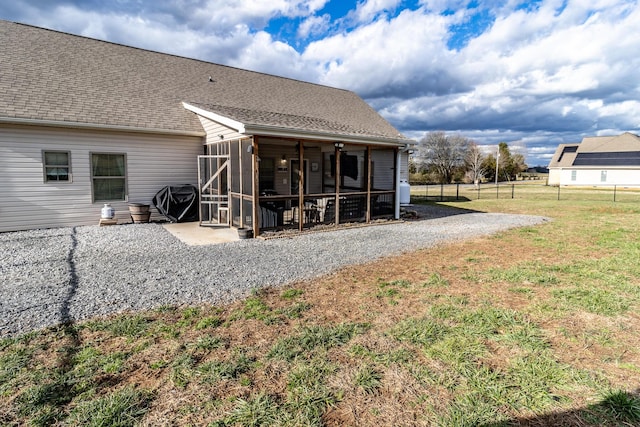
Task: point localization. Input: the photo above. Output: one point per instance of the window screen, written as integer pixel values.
(57, 166)
(108, 176)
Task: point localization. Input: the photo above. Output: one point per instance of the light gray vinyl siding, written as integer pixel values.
(383, 169)
(404, 165)
(214, 130)
(27, 202)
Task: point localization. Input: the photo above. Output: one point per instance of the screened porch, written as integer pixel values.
(268, 184)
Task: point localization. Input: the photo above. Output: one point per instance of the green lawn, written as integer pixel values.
(534, 326)
(525, 190)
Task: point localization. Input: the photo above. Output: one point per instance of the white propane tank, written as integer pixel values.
(107, 212)
(405, 192)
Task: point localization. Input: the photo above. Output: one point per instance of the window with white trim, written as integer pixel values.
(108, 176)
(56, 166)
(603, 176)
(574, 175)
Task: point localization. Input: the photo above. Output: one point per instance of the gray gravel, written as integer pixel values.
(51, 276)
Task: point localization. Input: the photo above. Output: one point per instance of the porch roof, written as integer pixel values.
(269, 123)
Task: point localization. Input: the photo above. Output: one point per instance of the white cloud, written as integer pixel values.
(263, 53)
(626, 112)
(438, 6)
(368, 10)
(314, 25)
(222, 14)
(385, 56)
(216, 31)
(570, 73)
(258, 12)
(220, 17)
(571, 50)
(305, 7)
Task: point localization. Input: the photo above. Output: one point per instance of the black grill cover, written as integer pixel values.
(178, 203)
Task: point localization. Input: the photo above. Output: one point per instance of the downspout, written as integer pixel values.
(239, 166)
(406, 149)
(338, 181)
(397, 179)
(368, 175)
(255, 191)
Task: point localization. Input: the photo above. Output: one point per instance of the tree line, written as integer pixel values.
(446, 159)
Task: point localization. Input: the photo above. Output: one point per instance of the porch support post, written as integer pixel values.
(200, 161)
(301, 185)
(242, 184)
(368, 166)
(396, 177)
(337, 203)
(256, 187)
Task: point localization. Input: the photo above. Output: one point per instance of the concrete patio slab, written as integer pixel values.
(192, 234)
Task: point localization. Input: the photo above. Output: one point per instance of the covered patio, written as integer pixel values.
(266, 183)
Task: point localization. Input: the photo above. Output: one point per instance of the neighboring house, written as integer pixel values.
(598, 161)
(85, 122)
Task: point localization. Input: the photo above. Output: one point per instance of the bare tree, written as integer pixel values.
(442, 154)
(473, 161)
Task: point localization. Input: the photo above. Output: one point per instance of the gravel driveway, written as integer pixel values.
(56, 275)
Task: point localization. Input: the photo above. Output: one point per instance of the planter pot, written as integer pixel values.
(245, 233)
(139, 212)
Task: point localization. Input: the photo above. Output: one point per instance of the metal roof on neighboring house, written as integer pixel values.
(599, 151)
(55, 77)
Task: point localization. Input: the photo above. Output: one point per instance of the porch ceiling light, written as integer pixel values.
(283, 160)
(339, 145)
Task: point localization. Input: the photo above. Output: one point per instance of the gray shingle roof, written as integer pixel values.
(602, 144)
(564, 156)
(53, 76)
(291, 121)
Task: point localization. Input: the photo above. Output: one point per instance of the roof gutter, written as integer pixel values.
(277, 131)
(95, 126)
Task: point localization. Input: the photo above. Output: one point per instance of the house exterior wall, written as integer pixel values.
(214, 130)
(554, 176)
(595, 177)
(282, 179)
(383, 168)
(27, 202)
(404, 166)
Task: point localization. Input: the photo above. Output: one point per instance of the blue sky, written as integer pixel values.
(530, 73)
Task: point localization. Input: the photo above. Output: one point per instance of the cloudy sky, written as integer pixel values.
(529, 73)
